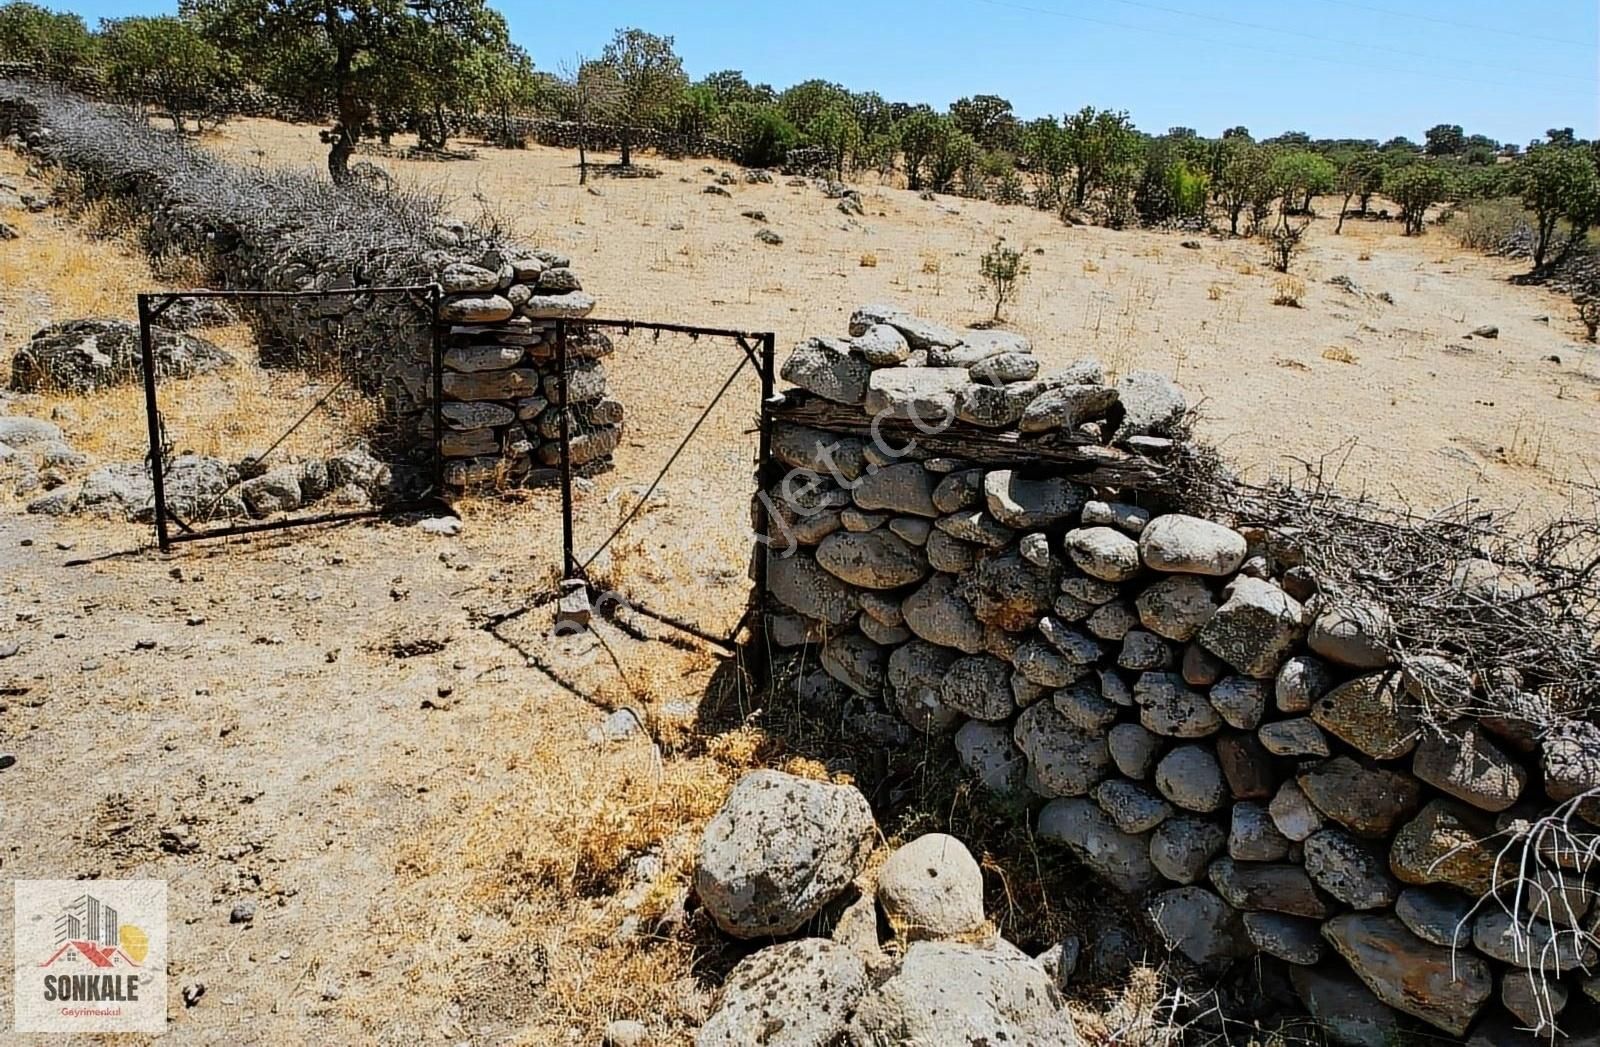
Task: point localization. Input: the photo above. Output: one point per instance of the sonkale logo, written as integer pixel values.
(91, 955)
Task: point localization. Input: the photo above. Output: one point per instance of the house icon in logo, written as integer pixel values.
(88, 930)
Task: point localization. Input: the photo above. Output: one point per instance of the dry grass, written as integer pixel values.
(1339, 354)
(1288, 290)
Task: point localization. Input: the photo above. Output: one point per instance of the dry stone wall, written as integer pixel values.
(273, 231)
(958, 548)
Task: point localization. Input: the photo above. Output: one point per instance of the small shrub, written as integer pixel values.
(869, 260)
(1284, 242)
(1089, 266)
(1214, 292)
(1339, 355)
(1288, 290)
(1003, 269)
(1364, 256)
(931, 265)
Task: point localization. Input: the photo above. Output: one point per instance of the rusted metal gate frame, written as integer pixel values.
(759, 348)
(152, 305)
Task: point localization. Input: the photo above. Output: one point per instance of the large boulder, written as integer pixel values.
(84, 356)
(938, 613)
(1152, 405)
(920, 394)
(795, 994)
(1449, 843)
(780, 849)
(950, 993)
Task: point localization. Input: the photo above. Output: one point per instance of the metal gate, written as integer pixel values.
(581, 595)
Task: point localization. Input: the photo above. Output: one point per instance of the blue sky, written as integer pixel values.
(1333, 68)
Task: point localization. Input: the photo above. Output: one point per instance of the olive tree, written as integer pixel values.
(1099, 143)
(165, 60)
(834, 128)
(1557, 183)
(57, 45)
(649, 77)
(1416, 187)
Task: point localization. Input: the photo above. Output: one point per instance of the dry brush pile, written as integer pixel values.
(1356, 743)
(281, 231)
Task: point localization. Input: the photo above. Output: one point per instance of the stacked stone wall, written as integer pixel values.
(961, 548)
(286, 232)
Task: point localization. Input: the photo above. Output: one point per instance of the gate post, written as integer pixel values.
(158, 480)
(569, 561)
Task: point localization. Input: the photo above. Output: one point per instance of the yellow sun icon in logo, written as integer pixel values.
(134, 942)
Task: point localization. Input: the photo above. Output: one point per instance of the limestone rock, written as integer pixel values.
(987, 751)
(1350, 870)
(1176, 606)
(1176, 543)
(1255, 629)
(1133, 749)
(1297, 737)
(827, 367)
(1067, 407)
(1266, 887)
(1167, 707)
(779, 850)
(1532, 944)
(1288, 938)
(950, 993)
(1133, 807)
(1103, 553)
(1023, 503)
(932, 888)
(1252, 836)
(800, 583)
(1190, 777)
(1465, 764)
(1240, 701)
(1355, 634)
(1006, 591)
(856, 662)
(937, 613)
(882, 346)
(905, 488)
(978, 686)
(1294, 815)
(915, 678)
(874, 560)
(1130, 519)
(1436, 915)
(1197, 923)
(1152, 405)
(1301, 682)
(1371, 714)
(1447, 843)
(920, 394)
(800, 993)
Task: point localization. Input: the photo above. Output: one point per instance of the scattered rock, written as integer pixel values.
(779, 850)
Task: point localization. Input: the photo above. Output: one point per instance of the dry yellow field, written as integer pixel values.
(1430, 416)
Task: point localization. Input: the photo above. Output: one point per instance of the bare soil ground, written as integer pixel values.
(439, 847)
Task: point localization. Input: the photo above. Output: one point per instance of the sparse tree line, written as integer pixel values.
(377, 67)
